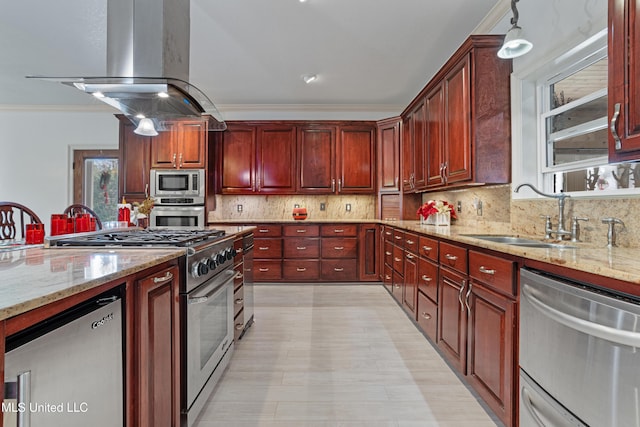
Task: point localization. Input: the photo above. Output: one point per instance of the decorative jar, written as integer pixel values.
(443, 219)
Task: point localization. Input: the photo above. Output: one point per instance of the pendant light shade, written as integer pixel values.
(146, 128)
(514, 42)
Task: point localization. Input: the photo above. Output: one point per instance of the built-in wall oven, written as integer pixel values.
(179, 197)
(579, 354)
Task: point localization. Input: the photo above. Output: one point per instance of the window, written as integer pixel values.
(96, 181)
(573, 125)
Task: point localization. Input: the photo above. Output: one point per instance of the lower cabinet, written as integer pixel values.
(157, 363)
(452, 318)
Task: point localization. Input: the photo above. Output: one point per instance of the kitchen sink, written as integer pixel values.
(518, 241)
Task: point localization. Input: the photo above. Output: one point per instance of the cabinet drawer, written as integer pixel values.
(496, 273)
(388, 233)
(427, 316)
(387, 277)
(264, 271)
(398, 259)
(340, 248)
(301, 269)
(388, 253)
(238, 300)
(339, 270)
(301, 247)
(398, 237)
(301, 230)
(453, 257)
(270, 230)
(238, 279)
(428, 279)
(339, 230)
(428, 248)
(268, 248)
(411, 242)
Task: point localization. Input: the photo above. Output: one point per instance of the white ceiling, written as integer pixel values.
(369, 55)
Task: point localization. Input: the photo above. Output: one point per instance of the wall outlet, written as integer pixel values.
(323, 207)
(459, 206)
(348, 207)
(239, 208)
(296, 205)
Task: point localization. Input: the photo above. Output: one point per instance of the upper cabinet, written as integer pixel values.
(135, 163)
(181, 146)
(457, 131)
(389, 155)
(297, 158)
(624, 80)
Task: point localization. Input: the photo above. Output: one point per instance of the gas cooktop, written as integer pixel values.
(138, 237)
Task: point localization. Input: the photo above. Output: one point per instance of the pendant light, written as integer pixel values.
(146, 128)
(514, 42)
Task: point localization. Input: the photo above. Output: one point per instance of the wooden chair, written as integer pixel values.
(9, 213)
(79, 209)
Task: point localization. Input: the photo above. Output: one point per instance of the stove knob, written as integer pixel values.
(220, 258)
(194, 270)
(202, 268)
(211, 263)
(228, 253)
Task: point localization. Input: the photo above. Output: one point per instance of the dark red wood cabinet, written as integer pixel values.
(389, 155)
(276, 157)
(624, 80)
(316, 154)
(356, 160)
(135, 163)
(237, 161)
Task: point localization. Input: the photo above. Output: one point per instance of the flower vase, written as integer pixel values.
(443, 219)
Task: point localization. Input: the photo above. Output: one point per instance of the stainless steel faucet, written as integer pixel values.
(611, 233)
(561, 232)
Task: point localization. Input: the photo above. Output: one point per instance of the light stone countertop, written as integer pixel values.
(31, 277)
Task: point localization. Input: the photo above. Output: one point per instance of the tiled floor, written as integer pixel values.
(337, 355)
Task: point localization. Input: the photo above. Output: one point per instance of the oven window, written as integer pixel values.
(173, 182)
(176, 221)
(213, 326)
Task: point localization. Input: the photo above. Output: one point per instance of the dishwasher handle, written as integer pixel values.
(618, 336)
(21, 391)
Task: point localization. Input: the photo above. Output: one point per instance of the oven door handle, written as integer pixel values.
(618, 336)
(200, 299)
(526, 399)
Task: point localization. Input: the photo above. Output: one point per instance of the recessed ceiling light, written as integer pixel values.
(303, 1)
(140, 116)
(163, 94)
(98, 94)
(308, 78)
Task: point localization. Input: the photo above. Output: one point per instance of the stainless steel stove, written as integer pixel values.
(206, 299)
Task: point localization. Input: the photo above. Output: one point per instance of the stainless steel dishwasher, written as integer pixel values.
(579, 354)
(67, 370)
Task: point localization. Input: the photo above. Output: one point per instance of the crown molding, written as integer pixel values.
(495, 15)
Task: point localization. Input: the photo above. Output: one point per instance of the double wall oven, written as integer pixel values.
(179, 197)
(206, 301)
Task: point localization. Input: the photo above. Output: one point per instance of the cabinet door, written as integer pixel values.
(316, 165)
(369, 252)
(452, 318)
(164, 148)
(624, 79)
(135, 159)
(407, 154)
(410, 287)
(276, 159)
(435, 136)
(238, 163)
(158, 365)
(192, 143)
(356, 157)
(389, 155)
(458, 123)
(419, 148)
(490, 357)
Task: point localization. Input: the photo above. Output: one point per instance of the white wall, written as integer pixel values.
(36, 161)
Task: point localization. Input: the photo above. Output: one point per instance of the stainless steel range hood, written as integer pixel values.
(148, 65)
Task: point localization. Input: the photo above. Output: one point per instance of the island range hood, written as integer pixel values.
(148, 66)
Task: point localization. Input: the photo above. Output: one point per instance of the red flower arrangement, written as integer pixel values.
(436, 206)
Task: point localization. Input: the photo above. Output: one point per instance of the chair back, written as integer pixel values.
(13, 218)
(78, 208)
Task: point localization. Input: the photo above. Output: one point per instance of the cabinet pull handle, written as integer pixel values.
(397, 259)
(263, 248)
(146, 191)
(426, 278)
(239, 250)
(333, 185)
(173, 161)
(301, 269)
(426, 315)
(239, 327)
(451, 257)
(388, 233)
(387, 277)
(238, 275)
(409, 256)
(338, 269)
(338, 248)
(460, 296)
(485, 270)
(410, 242)
(263, 230)
(301, 248)
(467, 299)
(180, 164)
(239, 301)
(397, 237)
(612, 126)
(339, 185)
(426, 248)
(444, 170)
(263, 270)
(387, 253)
(301, 231)
(168, 276)
(338, 230)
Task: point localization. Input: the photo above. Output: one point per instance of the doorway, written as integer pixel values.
(95, 181)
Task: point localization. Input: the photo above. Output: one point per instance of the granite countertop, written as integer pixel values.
(616, 263)
(32, 276)
(293, 221)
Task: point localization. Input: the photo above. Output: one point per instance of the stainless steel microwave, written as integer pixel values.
(177, 187)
